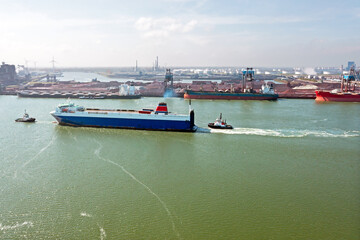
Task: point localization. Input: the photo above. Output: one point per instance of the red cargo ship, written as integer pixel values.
(347, 92)
(337, 97)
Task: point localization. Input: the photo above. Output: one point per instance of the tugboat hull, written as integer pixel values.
(211, 125)
(25, 120)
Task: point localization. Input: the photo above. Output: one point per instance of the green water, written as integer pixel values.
(289, 170)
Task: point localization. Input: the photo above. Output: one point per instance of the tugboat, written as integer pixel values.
(25, 118)
(219, 124)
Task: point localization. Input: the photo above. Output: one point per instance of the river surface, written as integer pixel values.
(289, 170)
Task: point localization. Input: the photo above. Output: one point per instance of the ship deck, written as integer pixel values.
(111, 110)
(105, 111)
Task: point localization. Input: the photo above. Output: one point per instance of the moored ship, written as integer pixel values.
(145, 119)
(229, 95)
(246, 93)
(125, 92)
(347, 92)
(34, 94)
(324, 96)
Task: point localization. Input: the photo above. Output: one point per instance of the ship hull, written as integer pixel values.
(70, 95)
(322, 96)
(297, 95)
(229, 96)
(141, 122)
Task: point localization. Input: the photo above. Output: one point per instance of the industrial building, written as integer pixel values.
(7, 74)
(350, 64)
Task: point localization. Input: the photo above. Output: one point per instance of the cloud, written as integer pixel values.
(150, 27)
(40, 20)
(163, 27)
(251, 19)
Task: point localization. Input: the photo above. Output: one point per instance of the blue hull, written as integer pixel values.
(143, 124)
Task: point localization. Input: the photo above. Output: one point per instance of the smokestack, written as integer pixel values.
(156, 64)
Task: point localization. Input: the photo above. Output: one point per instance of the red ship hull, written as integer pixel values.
(323, 96)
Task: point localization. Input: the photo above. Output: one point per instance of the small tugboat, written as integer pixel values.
(220, 124)
(25, 118)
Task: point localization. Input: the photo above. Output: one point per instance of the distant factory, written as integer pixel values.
(7, 75)
(7, 72)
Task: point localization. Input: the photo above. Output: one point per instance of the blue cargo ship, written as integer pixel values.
(146, 119)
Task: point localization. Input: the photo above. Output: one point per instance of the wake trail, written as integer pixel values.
(285, 133)
(84, 214)
(44, 122)
(7, 172)
(97, 153)
(102, 232)
(101, 229)
(36, 155)
(41, 150)
(71, 134)
(17, 225)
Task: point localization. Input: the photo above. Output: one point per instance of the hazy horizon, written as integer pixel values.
(68, 68)
(180, 32)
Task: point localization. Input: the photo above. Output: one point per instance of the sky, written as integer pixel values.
(214, 33)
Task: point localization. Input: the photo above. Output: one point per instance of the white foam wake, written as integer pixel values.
(290, 133)
(84, 214)
(102, 233)
(97, 153)
(44, 122)
(17, 225)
